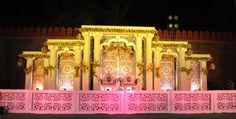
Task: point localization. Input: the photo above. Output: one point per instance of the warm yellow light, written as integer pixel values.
(39, 86)
(170, 17)
(170, 25)
(176, 17)
(176, 25)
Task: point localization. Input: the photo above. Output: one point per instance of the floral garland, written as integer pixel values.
(157, 71)
(28, 69)
(119, 47)
(186, 70)
(116, 30)
(149, 67)
(140, 66)
(48, 68)
(94, 64)
(84, 66)
(204, 71)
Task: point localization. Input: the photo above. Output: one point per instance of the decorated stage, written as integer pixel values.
(117, 102)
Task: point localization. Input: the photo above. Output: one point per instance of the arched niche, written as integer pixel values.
(195, 81)
(66, 70)
(38, 74)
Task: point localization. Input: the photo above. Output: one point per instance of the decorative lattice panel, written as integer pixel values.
(53, 102)
(15, 100)
(118, 63)
(38, 74)
(66, 72)
(117, 102)
(225, 101)
(167, 72)
(147, 102)
(191, 102)
(100, 102)
(195, 76)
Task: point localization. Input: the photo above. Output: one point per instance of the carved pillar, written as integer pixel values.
(138, 54)
(157, 60)
(77, 61)
(182, 82)
(29, 72)
(203, 75)
(149, 80)
(53, 66)
(97, 51)
(86, 61)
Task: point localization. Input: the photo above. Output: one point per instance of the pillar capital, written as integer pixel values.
(149, 36)
(139, 35)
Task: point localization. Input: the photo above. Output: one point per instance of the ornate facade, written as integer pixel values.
(115, 58)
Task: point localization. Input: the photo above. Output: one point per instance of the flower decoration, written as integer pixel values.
(204, 71)
(187, 70)
(140, 66)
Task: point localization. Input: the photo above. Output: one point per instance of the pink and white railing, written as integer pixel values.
(117, 102)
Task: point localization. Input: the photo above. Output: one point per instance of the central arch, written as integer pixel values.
(118, 62)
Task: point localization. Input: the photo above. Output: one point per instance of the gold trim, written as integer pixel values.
(117, 30)
(60, 43)
(171, 45)
(198, 58)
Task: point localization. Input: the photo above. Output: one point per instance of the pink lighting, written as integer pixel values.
(117, 102)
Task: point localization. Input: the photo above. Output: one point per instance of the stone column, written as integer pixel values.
(149, 80)
(203, 79)
(29, 73)
(86, 61)
(138, 54)
(46, 74)
(77, 61)
(182, 82)
(157, 62)
(52, 71)
(97, 51)
(187, 80)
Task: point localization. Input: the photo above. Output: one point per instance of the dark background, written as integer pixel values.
(193, 14)
(205, 15)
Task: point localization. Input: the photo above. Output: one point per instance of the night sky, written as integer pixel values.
(193, 14)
